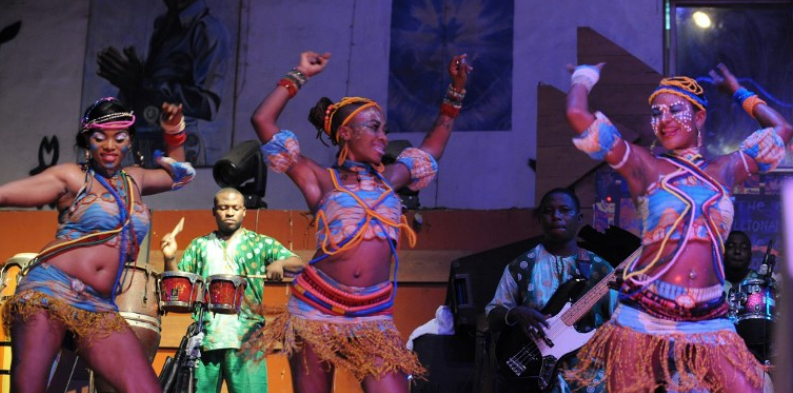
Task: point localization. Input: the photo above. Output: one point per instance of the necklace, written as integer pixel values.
(691, 155)
(360, 169)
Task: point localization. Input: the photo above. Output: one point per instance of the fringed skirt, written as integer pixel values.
(362, 346)
(83, 311)
(640, 353)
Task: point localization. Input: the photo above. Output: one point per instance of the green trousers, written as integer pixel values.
(227, 365)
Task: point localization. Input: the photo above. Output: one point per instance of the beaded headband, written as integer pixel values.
(109, 121)
(332, 109)
(682, 86)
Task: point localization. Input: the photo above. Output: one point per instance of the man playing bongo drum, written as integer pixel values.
(231, 250)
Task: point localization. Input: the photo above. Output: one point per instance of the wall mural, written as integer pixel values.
(152, 51)
(425, 34)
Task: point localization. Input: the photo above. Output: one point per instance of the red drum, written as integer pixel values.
(139, 304)
(224, 293)
(180, 291)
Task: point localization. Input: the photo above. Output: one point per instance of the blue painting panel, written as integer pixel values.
(425, 34)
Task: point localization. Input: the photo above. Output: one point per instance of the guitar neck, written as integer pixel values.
(588, 300)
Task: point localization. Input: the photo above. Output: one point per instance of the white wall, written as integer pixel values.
(41, 72)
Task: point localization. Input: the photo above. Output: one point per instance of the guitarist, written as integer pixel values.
(530, 281)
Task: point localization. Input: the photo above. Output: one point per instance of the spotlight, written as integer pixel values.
(701, 19)
(410, 198)
(242, 168)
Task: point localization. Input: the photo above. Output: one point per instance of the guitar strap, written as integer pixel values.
(522, 273)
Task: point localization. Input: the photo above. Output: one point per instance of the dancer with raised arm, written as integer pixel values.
(672, 312)
(340, 311)
(70, 288)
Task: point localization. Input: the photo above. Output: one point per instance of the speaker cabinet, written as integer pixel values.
(450, 362)
(473, 279)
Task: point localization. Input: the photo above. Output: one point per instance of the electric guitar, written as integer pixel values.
(532, 366)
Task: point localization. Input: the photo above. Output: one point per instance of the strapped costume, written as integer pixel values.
(114, 218)
(349, 327)
(680, 329)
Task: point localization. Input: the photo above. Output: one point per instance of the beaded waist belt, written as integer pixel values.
(683, 308)
(312, 289)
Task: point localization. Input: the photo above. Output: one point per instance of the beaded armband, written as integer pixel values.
(182, 173)
(599, 139)
(422, 167)
(766, 148)
(281, 152)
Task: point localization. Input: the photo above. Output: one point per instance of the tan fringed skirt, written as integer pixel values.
(363, 346)
(640, 353)
(65, 299)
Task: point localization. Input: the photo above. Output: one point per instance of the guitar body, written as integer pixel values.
(532, 366)
(529, 366)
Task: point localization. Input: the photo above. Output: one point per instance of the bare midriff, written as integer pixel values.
(693, 268)
(367, 264)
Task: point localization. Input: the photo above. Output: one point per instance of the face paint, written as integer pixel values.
(679, 110)
(109, 153)
(369, 136)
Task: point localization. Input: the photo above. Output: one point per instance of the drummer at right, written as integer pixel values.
(231, 250)
(737, 262)
(752, 296)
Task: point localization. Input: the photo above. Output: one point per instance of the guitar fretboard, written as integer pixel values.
(585, 303)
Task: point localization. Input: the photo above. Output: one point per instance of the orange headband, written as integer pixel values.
(681, 86)
(332, 109)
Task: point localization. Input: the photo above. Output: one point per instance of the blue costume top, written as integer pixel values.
(91, 213)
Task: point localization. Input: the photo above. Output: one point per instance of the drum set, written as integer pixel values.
(753, 310)
(182, 292)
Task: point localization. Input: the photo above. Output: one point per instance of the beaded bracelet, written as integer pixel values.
(172, 128)
(449, 110)
(175, 140)
(586, 76)
(751, 102)
(747, 99)
(298, 76)
(289, 85)
(452, 102)
(741, 94)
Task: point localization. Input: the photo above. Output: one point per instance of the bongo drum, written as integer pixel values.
(224, 293)
(180, 291)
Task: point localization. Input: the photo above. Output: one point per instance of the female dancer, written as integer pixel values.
(71, 285)
(671, 316)
(339, 314)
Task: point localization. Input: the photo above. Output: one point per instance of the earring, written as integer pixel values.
(87, 156)
(699, 135)
(343, 153)
(653, 145)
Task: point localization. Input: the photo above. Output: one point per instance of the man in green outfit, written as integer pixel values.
(237, 251)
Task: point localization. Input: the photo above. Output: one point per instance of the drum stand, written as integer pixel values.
(178, 374)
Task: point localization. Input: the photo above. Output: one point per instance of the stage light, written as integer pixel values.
(242, 168)
(701, 19)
